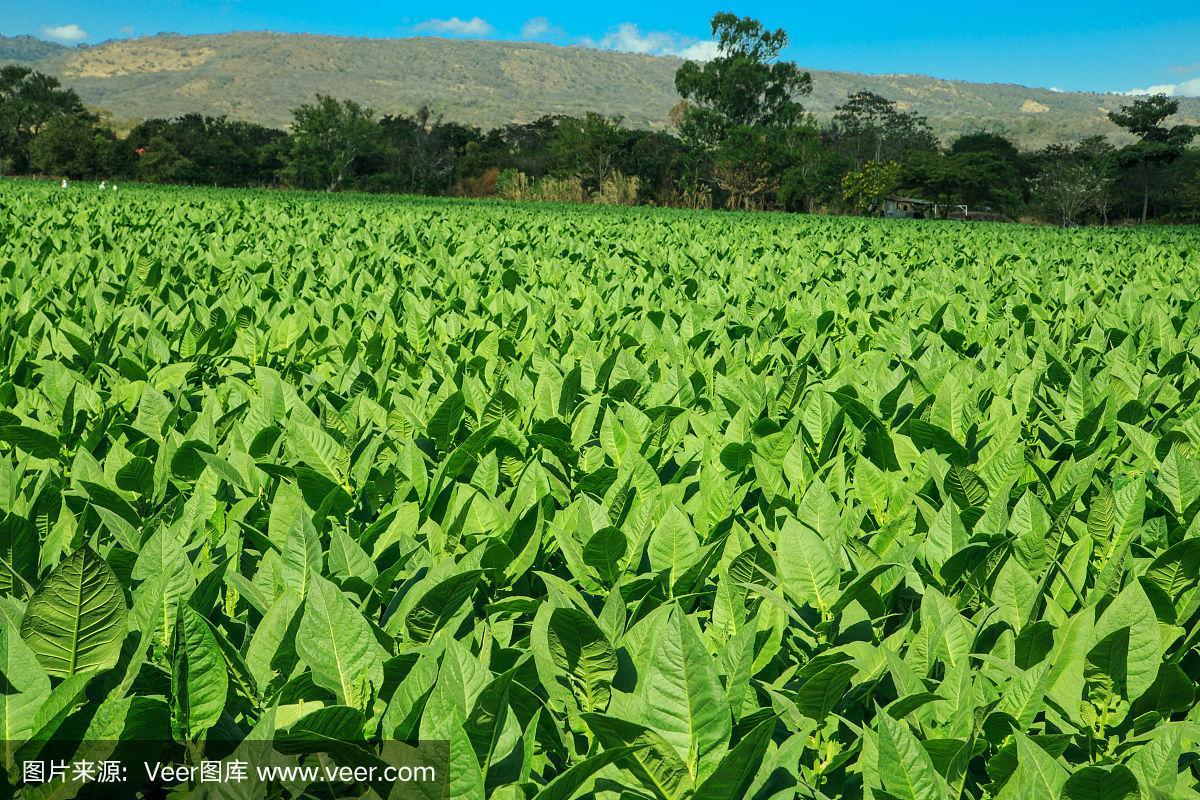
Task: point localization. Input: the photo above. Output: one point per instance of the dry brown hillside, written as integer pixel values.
(262, 76)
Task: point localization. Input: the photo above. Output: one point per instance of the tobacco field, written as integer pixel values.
(620, 503)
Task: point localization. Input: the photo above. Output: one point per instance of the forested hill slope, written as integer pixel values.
(260, 77)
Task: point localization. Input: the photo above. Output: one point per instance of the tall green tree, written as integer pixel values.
(160, 161)
(328, 137)
(28, 101)
(738, 105)
(869, 127)
(588, 147)
(931, 175)
(1069, 187)
(425, 154)
(866, 187)
(988, 170)
(746, 85)
(1158, 145)
(1069, 182)
(814, 172)
(1189, 197)
(658, 159)
(75, 147)
(198, 149)
(748, 164)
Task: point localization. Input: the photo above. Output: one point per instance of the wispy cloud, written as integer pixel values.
(541, 28)
(1188, 88)
(1184, 69)
(455, 26)
(630, 38)
(64, 33)
(700, 51)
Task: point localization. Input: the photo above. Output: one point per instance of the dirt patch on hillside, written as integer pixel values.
(135, 57)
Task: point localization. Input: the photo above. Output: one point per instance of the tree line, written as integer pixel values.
(739, 138)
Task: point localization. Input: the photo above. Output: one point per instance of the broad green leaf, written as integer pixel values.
(583, 656)
(965, 487)
(1131, 610)
(732, 776)
(673, 546)
(272, 648)
(319, 450)
(168, 580)
(681, 697)
(25, 688)
(819, 694)
(1037, 776)
(568, 783)
(199, 678)
(75, 621)
(440, 603)
(338, 645)
(904, 768)
(18, 555)
(1156, 763)
(652, 760)
(1101, 783)
(444, 422)
(486, 726)
(325, 730)
(30, 440)
(807, 567)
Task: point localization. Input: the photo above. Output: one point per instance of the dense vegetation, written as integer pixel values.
(642, 503)
(740, 138)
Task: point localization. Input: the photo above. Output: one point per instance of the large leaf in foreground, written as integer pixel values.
(583, 656)
(905, 768)
(682, 699)
(76, 619)
(199, 678)
(338, 644)
(24, 687)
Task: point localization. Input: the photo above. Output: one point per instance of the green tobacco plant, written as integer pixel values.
(619, 503)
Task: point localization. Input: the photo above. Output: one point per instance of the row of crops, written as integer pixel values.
(618, 503)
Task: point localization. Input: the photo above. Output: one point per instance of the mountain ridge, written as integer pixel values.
(260, 76)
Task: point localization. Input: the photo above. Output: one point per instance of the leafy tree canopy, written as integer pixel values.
(745, 85)
(29, 100)
(1157, 143)
(869, 127)
(328, 136)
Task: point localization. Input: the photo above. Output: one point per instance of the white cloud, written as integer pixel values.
(631, 39)
(475, 26)
(540, 28)
(1189, 88)
(701, 51)
(64, 33)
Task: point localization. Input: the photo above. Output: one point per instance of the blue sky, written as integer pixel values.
(1099, 46)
